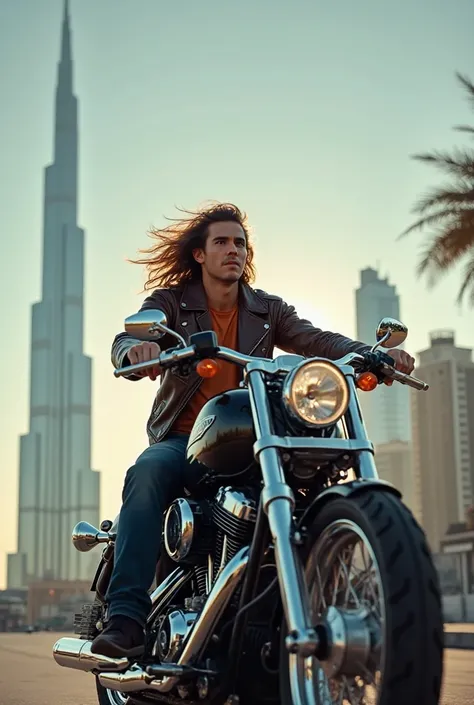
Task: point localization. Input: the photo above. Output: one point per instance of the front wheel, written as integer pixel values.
(374, 588)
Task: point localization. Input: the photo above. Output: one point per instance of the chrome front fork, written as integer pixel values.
(278, 503)
(365, 466)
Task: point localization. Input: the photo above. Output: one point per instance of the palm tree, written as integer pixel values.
(449, 210)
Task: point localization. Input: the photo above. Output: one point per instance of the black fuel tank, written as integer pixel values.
(223, 435)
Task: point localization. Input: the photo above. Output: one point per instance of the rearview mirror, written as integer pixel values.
(390, 333)
(146, 325)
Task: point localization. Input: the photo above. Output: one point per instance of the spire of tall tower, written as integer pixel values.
(65, 62)
(65, 141)
(66, 35)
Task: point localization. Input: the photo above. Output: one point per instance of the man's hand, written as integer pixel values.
(143, 352)
(403, 362)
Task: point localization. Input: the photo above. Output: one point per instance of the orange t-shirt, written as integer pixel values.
(225, 325)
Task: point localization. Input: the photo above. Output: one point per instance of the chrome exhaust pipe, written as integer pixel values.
(76, 653)
(117, 673)
(136, 678)
(128, 682)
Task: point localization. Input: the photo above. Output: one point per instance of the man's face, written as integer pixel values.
(225, 252)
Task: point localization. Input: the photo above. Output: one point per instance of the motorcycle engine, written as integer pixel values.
(195, 530)
(234, 514)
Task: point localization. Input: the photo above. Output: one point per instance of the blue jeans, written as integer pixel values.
(157, 478)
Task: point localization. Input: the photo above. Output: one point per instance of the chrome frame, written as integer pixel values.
(182, 507)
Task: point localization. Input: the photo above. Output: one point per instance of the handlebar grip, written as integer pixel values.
(130, 369)
(403, 378)
(167, 357)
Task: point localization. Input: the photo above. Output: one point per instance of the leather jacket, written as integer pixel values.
(265, 321)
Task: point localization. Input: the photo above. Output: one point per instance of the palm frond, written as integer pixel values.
(460, 163)
(450, 210)
(468, 85)
(446, 249)
(450, 197)
(432, 219)
(467, 282)
(464, 128)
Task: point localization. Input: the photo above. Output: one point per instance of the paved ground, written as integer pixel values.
(455, 627)
(29, 676)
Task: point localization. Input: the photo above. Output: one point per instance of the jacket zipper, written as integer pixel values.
(259, 341)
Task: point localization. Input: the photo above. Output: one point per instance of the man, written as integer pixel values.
(203, 266)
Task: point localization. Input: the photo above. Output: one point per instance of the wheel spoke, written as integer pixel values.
(344, 572)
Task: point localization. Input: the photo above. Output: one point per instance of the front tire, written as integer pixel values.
(388, 639)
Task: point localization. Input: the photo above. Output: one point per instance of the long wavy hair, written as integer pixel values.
(170, 262)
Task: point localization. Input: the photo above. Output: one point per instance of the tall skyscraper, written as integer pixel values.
(394, 464)
(443, 436)
(57, 486)
(386, 410)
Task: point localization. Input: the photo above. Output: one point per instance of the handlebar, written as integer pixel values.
(172, 357)
(166, 359)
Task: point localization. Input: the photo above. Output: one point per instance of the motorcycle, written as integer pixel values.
(291, 574)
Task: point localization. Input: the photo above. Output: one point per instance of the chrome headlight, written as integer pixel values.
(316, 393)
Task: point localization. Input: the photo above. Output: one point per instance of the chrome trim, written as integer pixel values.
(136, 679)
(290, 443)
(279, 490)
(210, 573)
(349, 359)
(76, 653)
(166, 589)
(146, 324)
(252, 364)
(185, 513)
(224, 555)
(175, 628)
(150, 324)
(365, 466)
(390, 333)
(126, 682)
(236, 503)
(218, 599)
(85, 537)
(279, 503)
(291, 407)
(165, 330)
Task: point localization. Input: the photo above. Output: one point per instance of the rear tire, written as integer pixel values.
(411, 631)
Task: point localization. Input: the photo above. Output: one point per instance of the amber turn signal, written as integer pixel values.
(207, 368)
(367, 381)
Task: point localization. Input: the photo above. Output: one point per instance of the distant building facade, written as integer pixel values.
(443, 437)
(386, 410)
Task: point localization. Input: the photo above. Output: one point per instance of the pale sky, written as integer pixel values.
(302, 113)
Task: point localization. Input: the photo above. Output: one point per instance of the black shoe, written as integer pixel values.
(121, 638)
